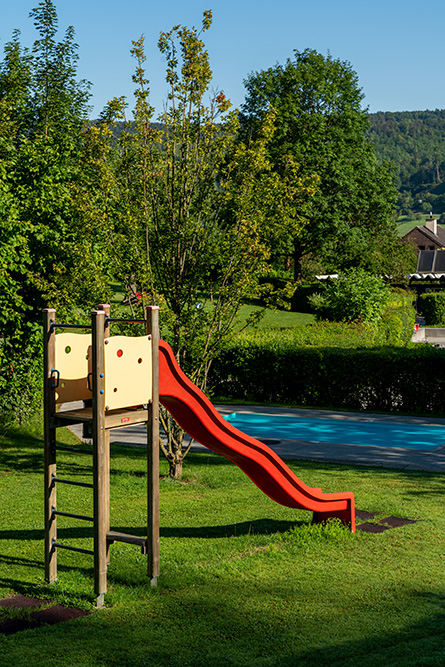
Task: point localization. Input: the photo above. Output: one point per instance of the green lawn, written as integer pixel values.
(270, 319)
(275, 319)
(244, 581)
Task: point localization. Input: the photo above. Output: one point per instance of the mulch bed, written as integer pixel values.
(384, 524)
(46, 613)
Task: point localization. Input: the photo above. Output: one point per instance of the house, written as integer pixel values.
(429, 241)
(430, 236)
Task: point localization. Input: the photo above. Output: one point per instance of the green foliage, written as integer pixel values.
(317, 369)
(414, 142)
(396, 324)
(432, 307)
(189, 211)
(21, 372)
(355, 296)
(320, 122)
(47, 255)
(300, 299)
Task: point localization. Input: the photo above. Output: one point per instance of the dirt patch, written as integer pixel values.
(30, 613)
(395, 522)
(384, 524)
(372, 528)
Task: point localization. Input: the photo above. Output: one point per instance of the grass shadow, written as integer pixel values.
(257, 527)
(31, 589)
(21, 453)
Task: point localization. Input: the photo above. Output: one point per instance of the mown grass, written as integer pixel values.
(244, 581)
(270, 318)
(274, 319)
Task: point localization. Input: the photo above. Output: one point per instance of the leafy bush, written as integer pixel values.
(303, 370)
(395, 327)
(396, 324)
(21, 373)
(432, 306)
(356, 296)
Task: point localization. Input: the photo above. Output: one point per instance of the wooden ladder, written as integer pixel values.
(101, 421)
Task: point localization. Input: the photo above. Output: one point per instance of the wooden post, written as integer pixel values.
(106, 309)
(152, 328)
(101, 462)
(49, 355)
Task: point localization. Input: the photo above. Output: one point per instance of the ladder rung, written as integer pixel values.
(72, 516)
(113, 536)
(76, 450)
(54, 480)
(59, 545)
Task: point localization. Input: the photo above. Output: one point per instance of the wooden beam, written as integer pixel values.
(113, 536)
(101, 458)
(49, 440)
(105, 307)
(152, 329)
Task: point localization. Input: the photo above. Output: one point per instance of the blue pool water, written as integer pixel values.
(320, 429)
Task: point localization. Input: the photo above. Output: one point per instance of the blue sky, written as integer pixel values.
(395, 46)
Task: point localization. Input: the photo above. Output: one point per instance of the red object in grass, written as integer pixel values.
(198, 417)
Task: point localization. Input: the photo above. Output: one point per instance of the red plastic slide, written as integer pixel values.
(197, 416)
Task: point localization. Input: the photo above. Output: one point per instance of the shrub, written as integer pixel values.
(300, 299)
(21, 377)
(396, 324)
(332, 365)
(355, 296)
(432, 306)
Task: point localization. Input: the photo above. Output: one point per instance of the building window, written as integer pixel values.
(430, 247)
(421, 247)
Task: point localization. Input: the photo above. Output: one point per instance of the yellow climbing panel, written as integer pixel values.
(128, 376)
(73, 363)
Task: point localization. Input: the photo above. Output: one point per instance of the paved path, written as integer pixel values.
(382, 457)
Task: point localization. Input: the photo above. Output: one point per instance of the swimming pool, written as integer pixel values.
(355, 432)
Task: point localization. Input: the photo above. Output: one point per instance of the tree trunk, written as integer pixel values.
(298, 255)
(175, 471)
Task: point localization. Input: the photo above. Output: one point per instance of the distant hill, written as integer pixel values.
(414, 141)
(130, 127)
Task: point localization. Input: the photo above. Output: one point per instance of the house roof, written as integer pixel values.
(438, 238)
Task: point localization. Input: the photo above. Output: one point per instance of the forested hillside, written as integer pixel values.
(415, 142)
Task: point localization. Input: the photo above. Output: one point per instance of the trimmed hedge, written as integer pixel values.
(432, 306)
(396, 326)
(376, 379)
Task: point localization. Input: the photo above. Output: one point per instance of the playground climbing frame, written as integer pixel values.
(115, 383)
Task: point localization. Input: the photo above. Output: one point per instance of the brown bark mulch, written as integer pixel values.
(45, 613)
(384, 524)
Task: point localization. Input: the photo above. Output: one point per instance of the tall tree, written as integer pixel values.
(44, 133)
(44, 248)
(320, 122)
(193, 210)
